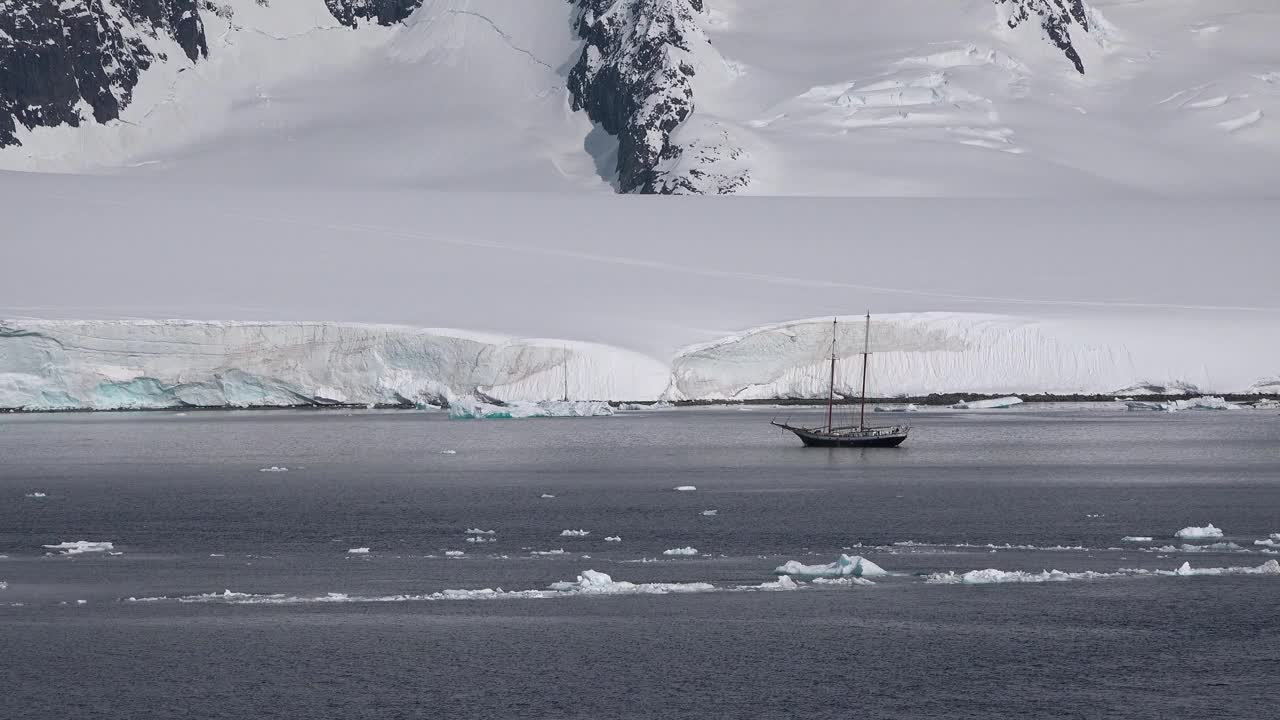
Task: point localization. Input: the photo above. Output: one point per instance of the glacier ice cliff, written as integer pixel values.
(57, 365)
(156, 364)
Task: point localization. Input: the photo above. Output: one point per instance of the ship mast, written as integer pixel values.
(831, 387)
(866, 350)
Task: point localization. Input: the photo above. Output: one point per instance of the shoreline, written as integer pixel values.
(933, 400)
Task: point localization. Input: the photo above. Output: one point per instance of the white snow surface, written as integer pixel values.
(855, 566)
(1199, 533)
(821, 97)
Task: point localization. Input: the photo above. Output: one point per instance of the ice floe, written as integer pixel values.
(591, 582)
(358, 551)
(994, 576)
(546, 496)
(909, 407)
(613, 538)
(845, 565)
(574, 533)
(481, 539)
(454, 553)
(681, 551)
(1136, 538)
(784, 582)
(35, 495)
(709, 513)
(81, 546)
(448, 452)
(1272, 541)
(685, 488)
(557, 551)
(847, 580)
(990, 404)
(478, 531)
(4, 585)
(1198, 533)
(273, 468)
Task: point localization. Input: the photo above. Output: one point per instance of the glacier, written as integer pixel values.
(145, 364)
(158, 364)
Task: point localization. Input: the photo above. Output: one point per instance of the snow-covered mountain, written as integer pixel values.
(831, 97)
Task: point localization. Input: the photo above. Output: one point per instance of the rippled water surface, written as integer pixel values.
(312, 630)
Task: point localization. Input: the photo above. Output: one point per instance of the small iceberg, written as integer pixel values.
(80, 547)
(448, 452)
(557, 551)
(845, 581)
(547, 496)
(481, 539)
(478, 531)
(470, 409)
(273, 468)
(709, 513)
(591, 582)
(453, 553)
(685, 488)
(35, 495)
(855, 566)
(992, 576)
(783, 582)
(681, 551)
(1207, 402)
(909, 407)
(574, 533)
(990, 404)
(1199, 533)
(613, 538)
(358, 551)
(1136, 538)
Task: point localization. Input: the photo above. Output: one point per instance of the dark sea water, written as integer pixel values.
(181, 497)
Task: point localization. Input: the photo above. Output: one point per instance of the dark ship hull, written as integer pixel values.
(849, 436)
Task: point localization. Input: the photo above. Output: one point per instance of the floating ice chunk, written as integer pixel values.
(273, 468)
(217, 555)
(909, 407)
(481, 539)
(574, 533)
(992, 576)
(358, 551)
(613, 538)
(4, 585)
(855, 566)
(849, 580)
(1272, 541)
(478, 531)
(1270, 567)
(557, 551)
(453, 553)
(990, 404)
(81, 546)
(1197, 533)
(783, 582)
(681, 551)
(1141, 406)
(35, 495)
(1136, 538)
(685, 488)
(547, 496)
(1203, 403)
(709, 513)
(448, 452)
(591, 582)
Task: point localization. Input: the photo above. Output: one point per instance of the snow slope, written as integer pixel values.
(828, 97)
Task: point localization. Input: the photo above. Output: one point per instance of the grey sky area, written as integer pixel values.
(642, 272)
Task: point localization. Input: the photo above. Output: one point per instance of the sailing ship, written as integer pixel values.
(860, 435)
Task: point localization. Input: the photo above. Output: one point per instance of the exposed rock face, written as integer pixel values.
(56, 58)
(635, 78)
(383, 12)
(1056, 18)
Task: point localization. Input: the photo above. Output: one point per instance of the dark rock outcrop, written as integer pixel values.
(635, 79)
(383, 12)
(54, 56)
(1056, 18)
